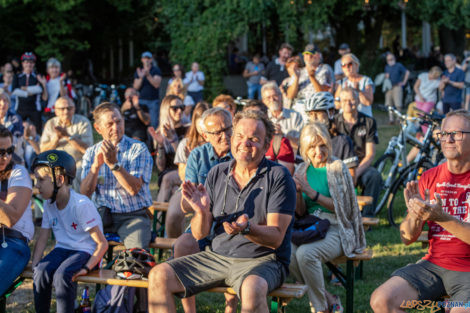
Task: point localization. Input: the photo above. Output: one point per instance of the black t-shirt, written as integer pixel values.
(29, 103)
(135, 128)
(275, 72)
(271, 190)
(364, 131)
(343, 149)
(147, 91)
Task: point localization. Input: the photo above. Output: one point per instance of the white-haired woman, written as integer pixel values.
(325, 189)
(55, 82)
(361, 83)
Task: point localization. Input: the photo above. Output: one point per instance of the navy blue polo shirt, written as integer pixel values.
(396, 72)
(147, 91)
(451, 93)
(270, 190)
(200, 161)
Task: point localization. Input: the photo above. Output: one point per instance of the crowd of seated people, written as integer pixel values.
(239, 176)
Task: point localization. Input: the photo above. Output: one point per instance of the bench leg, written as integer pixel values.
(277, 306)
(109, 256)
(359, 270)
(349, 286)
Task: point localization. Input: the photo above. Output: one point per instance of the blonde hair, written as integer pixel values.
(311, 135)
(435, 70)
(172, 86)
(5, 97)
(165, 118)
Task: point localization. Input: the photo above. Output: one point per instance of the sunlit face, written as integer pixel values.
(456, 149)
(5, 157)
(53, 71)
(248, 142)
(319, 116)
(28, 66)
(64, 110)
(43, 181)
(146, 62)
(391, 60)
(312, 59)
(4, 106)
(176, 110)
(272, 99)
(284, 54)
(177, 87)
(194, 67)
(110, 126)
(218, 131)
(348, 102)
(349, 66)
(317, 153)
(7, 76)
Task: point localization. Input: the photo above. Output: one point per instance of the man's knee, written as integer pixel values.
(389, 296)
(254, 291)
(379, 300)
(160, 275)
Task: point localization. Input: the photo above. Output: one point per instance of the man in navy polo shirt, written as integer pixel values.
(251, 202)
(452, 83)
(147, 81)
(398, 75)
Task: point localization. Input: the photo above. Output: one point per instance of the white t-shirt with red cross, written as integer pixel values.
(445, 250)
(71, 224)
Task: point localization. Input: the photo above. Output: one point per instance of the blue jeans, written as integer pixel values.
(57, 269)
(154, 110)
(196, 95)
(252, 89)
(13, 260)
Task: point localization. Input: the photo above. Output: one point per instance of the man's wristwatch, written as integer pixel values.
(86, 268)
(115, 167)
(246, 230)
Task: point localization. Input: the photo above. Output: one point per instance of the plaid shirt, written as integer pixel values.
(135, 158)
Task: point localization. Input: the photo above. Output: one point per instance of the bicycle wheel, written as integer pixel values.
(386, 167)
(396, 200)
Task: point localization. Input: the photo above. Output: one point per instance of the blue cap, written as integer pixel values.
(146, 54)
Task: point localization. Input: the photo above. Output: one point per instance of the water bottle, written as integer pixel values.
(85, 305)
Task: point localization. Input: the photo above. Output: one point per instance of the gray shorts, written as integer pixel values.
(433, 282)
(205, 270)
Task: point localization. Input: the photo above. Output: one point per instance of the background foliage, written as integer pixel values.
(203, 30)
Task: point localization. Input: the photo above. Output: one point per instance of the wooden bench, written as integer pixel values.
(368, 222)
(362, 201)
(281, 296)
(348, 280)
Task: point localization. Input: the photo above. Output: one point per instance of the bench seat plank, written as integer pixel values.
(108, 277)
(365, 256)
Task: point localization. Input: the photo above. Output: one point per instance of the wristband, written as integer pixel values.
(86, 268)
(316, 196)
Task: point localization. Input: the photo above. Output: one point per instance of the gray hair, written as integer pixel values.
(271, 85)
(461, 113)
(53, 62)
(215, 111)
(450, 55)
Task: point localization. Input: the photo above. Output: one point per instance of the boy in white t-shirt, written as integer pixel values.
(77, 227)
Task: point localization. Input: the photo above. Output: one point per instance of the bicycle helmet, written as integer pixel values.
(53, 159)
(133, 263)
(320, 101)
(28, 56)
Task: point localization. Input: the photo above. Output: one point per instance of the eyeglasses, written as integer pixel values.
(65, 108)
(7, 151)
(455, 135)
(390, 60)
(176, 69)
(347, 64)
(177, 107)
(219, 133)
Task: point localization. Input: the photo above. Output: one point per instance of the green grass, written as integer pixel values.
(389, 254)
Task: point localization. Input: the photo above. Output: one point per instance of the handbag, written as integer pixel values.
(106, 218)
(309, 228)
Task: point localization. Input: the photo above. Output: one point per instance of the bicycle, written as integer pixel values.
(428, 157)
(102, 94)
(394, 160)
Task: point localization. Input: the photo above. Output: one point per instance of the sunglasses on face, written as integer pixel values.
(65, 108)
(177, 107)
(350, 64)
(7, 151)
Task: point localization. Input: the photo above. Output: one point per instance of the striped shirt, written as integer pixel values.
(135, 158)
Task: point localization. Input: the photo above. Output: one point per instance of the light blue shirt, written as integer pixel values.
(135, 158)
